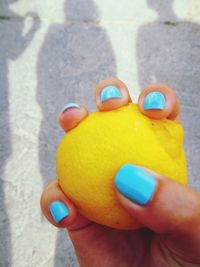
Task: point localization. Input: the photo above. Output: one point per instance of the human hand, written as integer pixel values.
(171, 218)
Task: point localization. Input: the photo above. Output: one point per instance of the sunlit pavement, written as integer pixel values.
(54, 52)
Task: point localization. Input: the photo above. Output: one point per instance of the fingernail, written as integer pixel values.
(70, 105)
(109, 92)
(135, 184)
(58, 211)
(154, 100)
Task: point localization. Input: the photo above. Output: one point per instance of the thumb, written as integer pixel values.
(162, 205)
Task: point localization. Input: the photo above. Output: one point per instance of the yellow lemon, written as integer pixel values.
(90, 155)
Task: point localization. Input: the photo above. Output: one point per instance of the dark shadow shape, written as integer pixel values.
(12, 45)
(168, 51)
(75, 56)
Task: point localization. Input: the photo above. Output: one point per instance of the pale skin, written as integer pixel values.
(171, 233)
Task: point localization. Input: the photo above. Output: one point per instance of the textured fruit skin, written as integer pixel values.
(90, 155)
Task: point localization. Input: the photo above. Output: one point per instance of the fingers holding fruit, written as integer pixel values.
(162, 205)
(121, 135)
(157, 101)
(110, 94)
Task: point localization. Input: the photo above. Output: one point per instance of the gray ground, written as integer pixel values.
(54, 52)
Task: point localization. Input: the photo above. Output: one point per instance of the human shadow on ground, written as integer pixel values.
(168, 51)
(75, 55)
(12, 45)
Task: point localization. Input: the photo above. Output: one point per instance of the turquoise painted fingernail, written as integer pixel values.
(154, 100)
(58, 211)
(135, 184)
(109, 92)
(70, 105)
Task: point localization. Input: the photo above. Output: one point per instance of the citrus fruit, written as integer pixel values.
(90, 155)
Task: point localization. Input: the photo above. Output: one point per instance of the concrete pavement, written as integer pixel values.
(52, 53)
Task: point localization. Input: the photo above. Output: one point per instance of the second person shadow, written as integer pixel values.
(168, 51)
(75, 56)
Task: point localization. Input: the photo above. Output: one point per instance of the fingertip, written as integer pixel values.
(158, 101)
(135, 183)
(111, 94)
(59, 210)
(71, 115)
(56, 207)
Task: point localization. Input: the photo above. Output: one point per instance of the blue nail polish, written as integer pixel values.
(154, 100)
(58, 211)
(135, 184)
(70, 105)
(109, 92)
